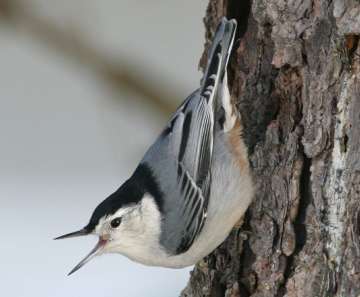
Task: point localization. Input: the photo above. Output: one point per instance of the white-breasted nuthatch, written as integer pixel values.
(192, 185)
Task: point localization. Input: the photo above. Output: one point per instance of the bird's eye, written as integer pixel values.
(115, 223)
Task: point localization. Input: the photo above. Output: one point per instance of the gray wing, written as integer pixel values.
(181, 163)
(181, 158)
(193, 147)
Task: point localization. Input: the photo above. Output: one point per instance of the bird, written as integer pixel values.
(192, 185)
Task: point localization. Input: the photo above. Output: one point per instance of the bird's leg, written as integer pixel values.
(239, 223)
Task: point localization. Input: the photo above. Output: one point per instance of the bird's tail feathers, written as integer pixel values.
(218, 57)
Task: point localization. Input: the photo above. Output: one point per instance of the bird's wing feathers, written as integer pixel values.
(181, 160)
(184, 152)
(194, 163)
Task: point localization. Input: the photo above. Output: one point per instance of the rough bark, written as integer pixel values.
(295, 76)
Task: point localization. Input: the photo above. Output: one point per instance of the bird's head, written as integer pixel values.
(126, 222)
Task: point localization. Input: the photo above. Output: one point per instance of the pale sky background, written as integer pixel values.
(68, 140)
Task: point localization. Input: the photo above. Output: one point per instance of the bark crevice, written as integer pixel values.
(239, 10)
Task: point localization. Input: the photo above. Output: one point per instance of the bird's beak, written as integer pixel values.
(81, 232)
(94, 252)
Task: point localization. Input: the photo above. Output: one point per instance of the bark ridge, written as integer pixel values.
(295, 77)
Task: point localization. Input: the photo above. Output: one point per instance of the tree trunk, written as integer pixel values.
(295, 76)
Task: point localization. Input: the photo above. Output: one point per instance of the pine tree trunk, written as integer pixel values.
(295, 76)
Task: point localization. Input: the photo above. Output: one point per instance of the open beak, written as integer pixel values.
(94, 252)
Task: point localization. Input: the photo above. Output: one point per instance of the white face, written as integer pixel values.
(133, 231)
(126, 222)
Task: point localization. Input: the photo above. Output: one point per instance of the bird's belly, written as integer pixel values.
(231, 194)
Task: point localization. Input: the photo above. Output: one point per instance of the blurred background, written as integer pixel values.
(85, 87)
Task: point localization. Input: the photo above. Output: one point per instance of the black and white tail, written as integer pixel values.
(214, 83)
